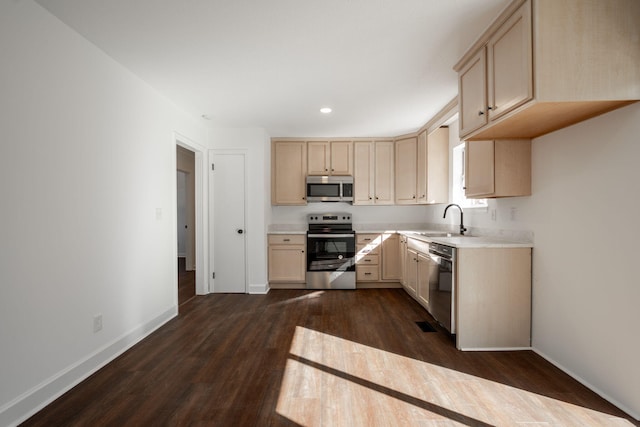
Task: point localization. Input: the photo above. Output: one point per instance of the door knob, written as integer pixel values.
(239, 231)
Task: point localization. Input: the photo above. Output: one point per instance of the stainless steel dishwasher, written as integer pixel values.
(442, 285)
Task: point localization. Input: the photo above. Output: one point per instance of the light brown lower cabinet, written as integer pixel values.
(493, 293)
(368, 257)
(425, 268)
(378, 257)
(411, 273)
(287, 260)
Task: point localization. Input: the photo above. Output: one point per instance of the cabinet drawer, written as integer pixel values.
(364, 250)
(369, 259)
(368, 239)
(367, 273)
(287, 239)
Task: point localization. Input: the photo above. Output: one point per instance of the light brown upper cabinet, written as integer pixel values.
(500, 168)
(288, 172)
(422, 168)
(373, 173)
(586, 63)
(330, 157)
(406, 170)
(436, 188)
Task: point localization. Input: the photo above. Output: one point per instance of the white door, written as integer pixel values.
(227, 205)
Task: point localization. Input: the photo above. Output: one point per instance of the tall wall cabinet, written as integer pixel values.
(288, 172)
(373, 173)
(422, 168)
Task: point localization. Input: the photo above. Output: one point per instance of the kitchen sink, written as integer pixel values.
(433, 234)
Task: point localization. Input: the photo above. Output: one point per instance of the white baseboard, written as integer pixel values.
(259, 289)
(32, 401)
(495, 349)
(588, 385)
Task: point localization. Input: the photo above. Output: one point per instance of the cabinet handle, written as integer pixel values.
(325, 169)
(480, 113)
(414, 196)
(491, 108)
(286, 240)
(370, 198)
(333, 170)
(367, 260)
(367, 239)
(367, 274)
(302, 251)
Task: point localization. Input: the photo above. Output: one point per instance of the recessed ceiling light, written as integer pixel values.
(325, 110)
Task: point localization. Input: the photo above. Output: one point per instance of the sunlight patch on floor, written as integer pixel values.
(332, 381)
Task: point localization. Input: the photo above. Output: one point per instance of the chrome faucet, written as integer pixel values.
(462, 229)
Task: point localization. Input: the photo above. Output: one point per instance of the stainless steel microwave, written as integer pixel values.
(330, 189)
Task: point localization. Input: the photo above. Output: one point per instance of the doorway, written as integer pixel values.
(228, 204)
(185, 184)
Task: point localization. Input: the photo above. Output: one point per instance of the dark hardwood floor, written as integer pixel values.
(314, 358)
(186, 283)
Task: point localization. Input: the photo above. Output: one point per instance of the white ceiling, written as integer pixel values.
(384, 66)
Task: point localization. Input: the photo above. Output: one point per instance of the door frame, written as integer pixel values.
(201, 207)
(212, 153)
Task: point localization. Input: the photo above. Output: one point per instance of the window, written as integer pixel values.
(458, 181)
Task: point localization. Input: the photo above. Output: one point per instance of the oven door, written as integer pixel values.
(331, 252)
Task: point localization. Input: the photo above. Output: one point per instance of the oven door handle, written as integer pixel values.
(329, 235)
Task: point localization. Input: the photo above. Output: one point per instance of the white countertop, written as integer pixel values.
(436, 236)
(458, 241)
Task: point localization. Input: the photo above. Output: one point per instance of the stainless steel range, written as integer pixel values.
(331, 251)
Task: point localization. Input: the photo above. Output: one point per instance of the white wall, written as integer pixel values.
(88, 188)
(362, 215)
(256, 142)
(583, 216)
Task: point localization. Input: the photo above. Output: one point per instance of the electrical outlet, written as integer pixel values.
(493, 214)
(514, 213)
(97, 323)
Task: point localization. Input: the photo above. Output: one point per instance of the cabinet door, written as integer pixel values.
(288, 172)
(421, 171)
(341, 158)
(437, 166)
(422, 286)
(403, 260)
(384, 177)
(406, 170)
(473, 95)
(363, 168)
(390, 256)
(287, 263)
(318, 158)
(411, 281)
(479, 168)
(509, 62)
